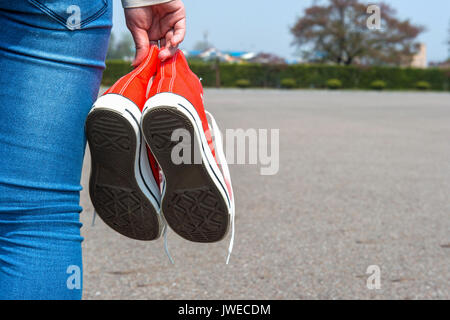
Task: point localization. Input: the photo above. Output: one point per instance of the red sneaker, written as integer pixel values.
(124, 177)
(197, 197)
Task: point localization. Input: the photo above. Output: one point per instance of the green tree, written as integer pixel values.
(338, 32)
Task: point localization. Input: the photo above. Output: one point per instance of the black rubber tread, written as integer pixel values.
(192, 205)
(113, 188)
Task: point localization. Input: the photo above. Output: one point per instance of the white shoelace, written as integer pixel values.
(93, 218)
(224, 166)
(166, 244)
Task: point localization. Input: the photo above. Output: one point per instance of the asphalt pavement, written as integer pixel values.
(363, 180)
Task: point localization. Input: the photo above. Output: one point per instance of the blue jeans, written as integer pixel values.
(51, 65)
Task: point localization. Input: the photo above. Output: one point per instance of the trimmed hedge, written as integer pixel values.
(288, 83)
(305, 76)
(242, 83)
(423, 85)
(334, 84)
(378, 85)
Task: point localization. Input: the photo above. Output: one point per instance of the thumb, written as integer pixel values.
(142, 45)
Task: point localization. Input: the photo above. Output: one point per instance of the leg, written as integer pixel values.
(49, 79)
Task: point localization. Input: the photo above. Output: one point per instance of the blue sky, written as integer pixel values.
(263, 25)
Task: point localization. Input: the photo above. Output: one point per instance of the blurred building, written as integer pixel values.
(234, 56)
(420, 59)
(267, 58)
(224, 56)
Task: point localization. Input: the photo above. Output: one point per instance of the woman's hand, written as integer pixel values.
(165, 22)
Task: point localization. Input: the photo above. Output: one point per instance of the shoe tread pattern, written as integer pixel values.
(192, 205)
(113, 188)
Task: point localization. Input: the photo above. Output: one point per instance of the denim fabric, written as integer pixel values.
(49, 77)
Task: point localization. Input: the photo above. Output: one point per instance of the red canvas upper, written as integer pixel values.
(175, 76)
(134, 87)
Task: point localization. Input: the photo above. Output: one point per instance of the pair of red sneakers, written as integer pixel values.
(153, 157)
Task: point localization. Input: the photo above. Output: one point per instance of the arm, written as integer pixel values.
(157, 20)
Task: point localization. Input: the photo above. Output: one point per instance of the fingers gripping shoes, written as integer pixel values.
(197, 197)
(124, 183)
